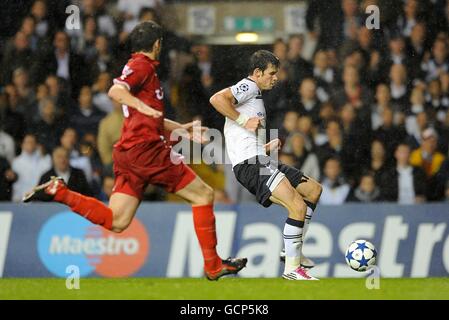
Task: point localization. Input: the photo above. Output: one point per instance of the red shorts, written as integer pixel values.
(148, 163)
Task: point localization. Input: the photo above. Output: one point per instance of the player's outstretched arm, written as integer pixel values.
(122, 95)
(223, 102)
(192, 130)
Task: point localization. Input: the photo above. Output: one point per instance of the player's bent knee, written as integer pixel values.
(317, 190)
(313, 191)
(205, 195)
(119, 224)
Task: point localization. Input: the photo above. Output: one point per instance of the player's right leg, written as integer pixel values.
(201, 196)
(310, 190)
(285, 195)
(115, 218)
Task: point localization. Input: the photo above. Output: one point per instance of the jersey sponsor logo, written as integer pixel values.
(67, 239)
(126, 72)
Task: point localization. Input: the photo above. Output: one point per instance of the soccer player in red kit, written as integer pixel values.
(142, 157)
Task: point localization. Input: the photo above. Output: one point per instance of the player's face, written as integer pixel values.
(268, 78)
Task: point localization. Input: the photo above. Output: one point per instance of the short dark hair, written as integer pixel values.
(144, 35)
(261, 60)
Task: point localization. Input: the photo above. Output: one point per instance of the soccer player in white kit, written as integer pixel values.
(269, 180)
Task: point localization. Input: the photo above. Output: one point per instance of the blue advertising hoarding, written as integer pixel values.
(43, 240)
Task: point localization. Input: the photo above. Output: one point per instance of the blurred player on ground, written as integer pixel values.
(142, 156)
(262, 175)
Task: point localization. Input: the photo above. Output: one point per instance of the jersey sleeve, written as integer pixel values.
(134, 75)
(242, 92)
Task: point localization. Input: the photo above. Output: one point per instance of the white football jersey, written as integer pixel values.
(242, 144)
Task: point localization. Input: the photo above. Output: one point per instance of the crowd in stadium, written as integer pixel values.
(367, 115)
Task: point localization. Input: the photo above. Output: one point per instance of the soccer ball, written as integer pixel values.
(360, 255)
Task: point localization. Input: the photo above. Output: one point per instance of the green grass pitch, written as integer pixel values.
(226, 288)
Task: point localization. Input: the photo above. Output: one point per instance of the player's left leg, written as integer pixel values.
(285, 195)
(201, 196)
(310, 190)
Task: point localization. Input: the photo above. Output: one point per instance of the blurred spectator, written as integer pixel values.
(434, 100)
(109, 133)
(96, 9)
(335, 188)
(308, 104)
(107, 187)
(438, 63)
(15, 104)
(58, 91)
(11, 121)
(305, 126)
(366, 191)
(327, 112)
(102, 59)
(7, 178)
(379, 162)
(351, 19)
(277, 100)
(25, 93)
(28, 166)
(416, 45)
(196, 87)
(88, 149)
(88, 116)
(323, 74)
(442, 182)
(17, 53)
(69, 141)
(398, 85)
(398, 53)
(403, 183)
(389, 134)
(415, 126)
(7, 145)
(289, 125)
(59, 60)
(28, 27)
(74, 178)
(280, 50)
(296, 153)
(100, 93)
(334, 145)
(409, 17)
(443, 133)
(83, 40)
(49, 127)
(429, 159)
(40, 14)
(352, 91)
(383, 101)
(330, 22)
(298, 67)
(356, 140)
(130, 9)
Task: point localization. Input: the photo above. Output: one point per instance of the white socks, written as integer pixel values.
(309, 214)
(293, 234)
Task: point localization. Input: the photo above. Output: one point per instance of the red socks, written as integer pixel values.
(204, 222)
(90, 208)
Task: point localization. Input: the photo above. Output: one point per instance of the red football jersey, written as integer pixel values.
(139, 76)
